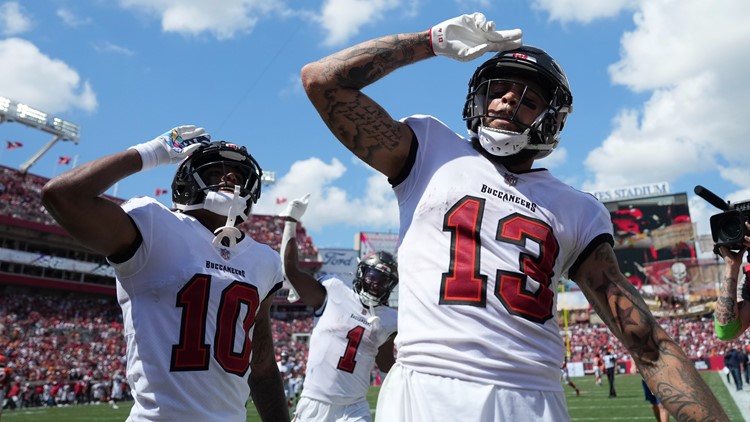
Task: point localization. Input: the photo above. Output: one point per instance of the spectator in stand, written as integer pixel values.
(354, 330)
(224, 349)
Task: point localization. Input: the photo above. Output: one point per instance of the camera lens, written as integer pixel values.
(732, 229)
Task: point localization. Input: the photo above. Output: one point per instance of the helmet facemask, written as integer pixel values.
(377, 276)
(199, 184)
(535, 72)
(374, 286)
(514, 136)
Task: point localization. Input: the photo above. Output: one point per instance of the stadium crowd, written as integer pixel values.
(67, 349)
(70, 350)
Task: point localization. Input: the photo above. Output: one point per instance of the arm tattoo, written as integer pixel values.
(726, 304)
(362, 125)
(660, 360)
(380, 57)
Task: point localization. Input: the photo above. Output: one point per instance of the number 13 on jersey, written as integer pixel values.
(464, 284)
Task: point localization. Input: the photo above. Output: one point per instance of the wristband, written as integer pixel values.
(151, 154)
(728, 331)
(290, 232)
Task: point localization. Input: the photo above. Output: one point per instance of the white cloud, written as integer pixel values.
(293, 87)
(49, 84)
(583, 11)
(342, 19)
(13, 19)
(223, 19)
(691, 60)
(555, 159)
(71, 19)
(330, 205)
(108, 47)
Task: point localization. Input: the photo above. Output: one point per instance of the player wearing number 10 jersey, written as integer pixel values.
(485, 238)
(195, 291)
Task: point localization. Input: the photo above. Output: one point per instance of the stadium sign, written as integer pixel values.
(341, 263)
(629, 192)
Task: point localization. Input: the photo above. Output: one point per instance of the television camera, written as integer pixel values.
(727, 227)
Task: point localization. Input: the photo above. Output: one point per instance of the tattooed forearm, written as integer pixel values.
(669, 373)
(726, 304)
(362, 65)
(725, 310)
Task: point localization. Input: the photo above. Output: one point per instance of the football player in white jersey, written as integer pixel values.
(195, 291)
(354, 330)
(485, 237)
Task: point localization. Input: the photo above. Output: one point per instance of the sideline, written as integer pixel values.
(742, 398)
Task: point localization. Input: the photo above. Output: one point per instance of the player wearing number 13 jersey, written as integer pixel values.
(485, 237)
(195, 292)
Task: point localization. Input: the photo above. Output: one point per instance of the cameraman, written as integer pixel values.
(732, 318)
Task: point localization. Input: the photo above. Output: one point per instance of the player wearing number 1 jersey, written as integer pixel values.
(195, 291)
(485, 237)
(354, 329)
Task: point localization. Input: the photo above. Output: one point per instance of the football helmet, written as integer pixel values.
(189, 190)
(529, 63)
(377, 276)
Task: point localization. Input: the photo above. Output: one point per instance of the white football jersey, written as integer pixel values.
(343, 346)
(188, 313)
(481, 253)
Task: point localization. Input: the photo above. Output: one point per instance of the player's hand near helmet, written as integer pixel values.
(172, 146)
(296, 208)
(467, 37)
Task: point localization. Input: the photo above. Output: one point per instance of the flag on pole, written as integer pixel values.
(160, 191)
(14, 144)
(63, 160)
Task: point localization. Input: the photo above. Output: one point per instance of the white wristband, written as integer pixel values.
(150, 154)
(290, 232)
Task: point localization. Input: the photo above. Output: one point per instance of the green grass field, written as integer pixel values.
(592, 405)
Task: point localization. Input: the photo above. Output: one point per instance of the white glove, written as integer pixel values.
(172, 146)
(296, 208)
(467, 37)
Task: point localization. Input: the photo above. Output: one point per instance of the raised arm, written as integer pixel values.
(669, 373)
(731, 317)
(74, 198)
(303, 284)
(334, 84)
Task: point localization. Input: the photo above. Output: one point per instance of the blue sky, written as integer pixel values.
(660, 89)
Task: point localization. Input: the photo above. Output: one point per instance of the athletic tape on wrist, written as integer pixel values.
(148, 155)
(290, 231)
(728, 331)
